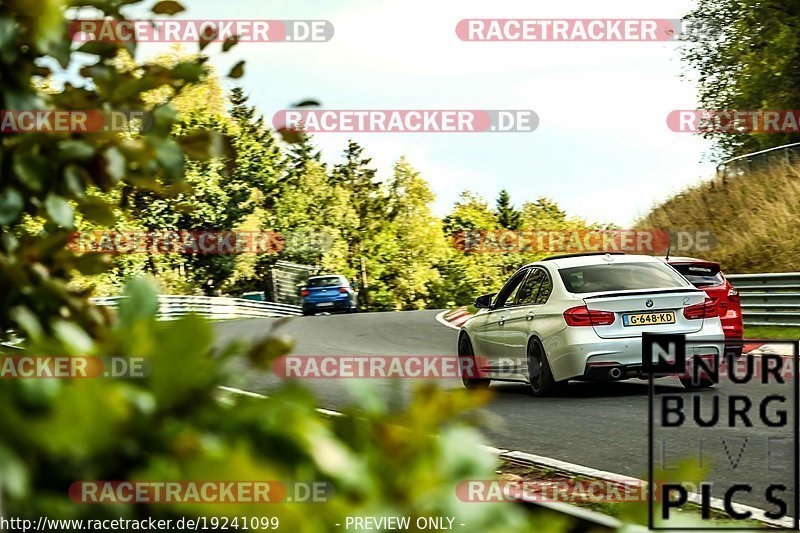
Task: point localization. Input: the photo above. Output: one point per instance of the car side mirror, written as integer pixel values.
(485, 301)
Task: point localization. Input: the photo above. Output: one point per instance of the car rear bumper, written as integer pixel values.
(576, 353)
(327, 305)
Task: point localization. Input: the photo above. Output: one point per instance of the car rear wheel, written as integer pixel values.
(468, 365)
(540, 376)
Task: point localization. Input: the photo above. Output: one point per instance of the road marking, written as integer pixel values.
(572, 468)
(441, 319)
(240, 392)
(580, 470)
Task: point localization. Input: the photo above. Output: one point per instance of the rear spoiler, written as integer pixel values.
(644, 293)
(701, 264)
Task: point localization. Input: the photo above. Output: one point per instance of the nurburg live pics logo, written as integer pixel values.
(753, 419)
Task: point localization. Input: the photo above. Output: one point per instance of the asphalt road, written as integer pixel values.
(599, 425)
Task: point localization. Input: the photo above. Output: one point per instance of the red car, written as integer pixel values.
(707, 276)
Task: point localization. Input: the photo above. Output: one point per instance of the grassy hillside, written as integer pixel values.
(755, 217)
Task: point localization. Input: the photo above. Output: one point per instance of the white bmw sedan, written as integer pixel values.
(581, 317)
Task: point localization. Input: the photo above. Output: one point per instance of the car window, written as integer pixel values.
(529, 290)
(545, 290)
(620, 277)
(507, 295)
(701, 275)
(328, 281)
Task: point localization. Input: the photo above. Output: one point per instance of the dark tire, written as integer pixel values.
(307, 312)
(700, 384)
(465, 353)
(734, 352)
(540, 376)
(689, 383)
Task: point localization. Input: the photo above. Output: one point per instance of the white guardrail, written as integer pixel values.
(769, 299)
(740, 165)
(171, 307)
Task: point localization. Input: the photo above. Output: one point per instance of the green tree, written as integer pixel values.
(544, 214)
(368, 201)
(412, 244)
(301, 154)
(747, 55)
(218, 192)
(46, 176)
(507, 216)
(259, 169)
(470, 274)
(469, 212)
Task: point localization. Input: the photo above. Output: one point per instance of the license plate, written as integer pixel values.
(647, 319)
(324, 304)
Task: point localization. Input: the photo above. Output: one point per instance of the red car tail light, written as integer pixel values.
(304, 292)
(582, 316)
(343, 290)
(707, 309)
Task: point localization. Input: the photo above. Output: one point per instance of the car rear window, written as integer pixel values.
(330, 281)
(620, 277)
(701, 275)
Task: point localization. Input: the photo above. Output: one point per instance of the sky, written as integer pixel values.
(602, 150)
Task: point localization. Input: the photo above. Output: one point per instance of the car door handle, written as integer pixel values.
(502, 320)
(530, 315)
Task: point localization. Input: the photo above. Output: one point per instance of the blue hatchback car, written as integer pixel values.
(327, 294)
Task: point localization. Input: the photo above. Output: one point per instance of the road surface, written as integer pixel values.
(599, 425)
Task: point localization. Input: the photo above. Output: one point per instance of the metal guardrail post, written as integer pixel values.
(724, 168)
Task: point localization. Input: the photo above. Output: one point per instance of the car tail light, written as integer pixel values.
(305, 292)
(582, 316)
(733, 295)
(342, 290)
(707, 309)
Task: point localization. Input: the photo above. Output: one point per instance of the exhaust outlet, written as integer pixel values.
(615, 373)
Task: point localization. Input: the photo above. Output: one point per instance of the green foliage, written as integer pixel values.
(340, 218)
(410, 246)
(201, 166)
(467, 275)
(46, 176)
(752, 219)
(174, 424)
(507, 216)
(747, 55)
